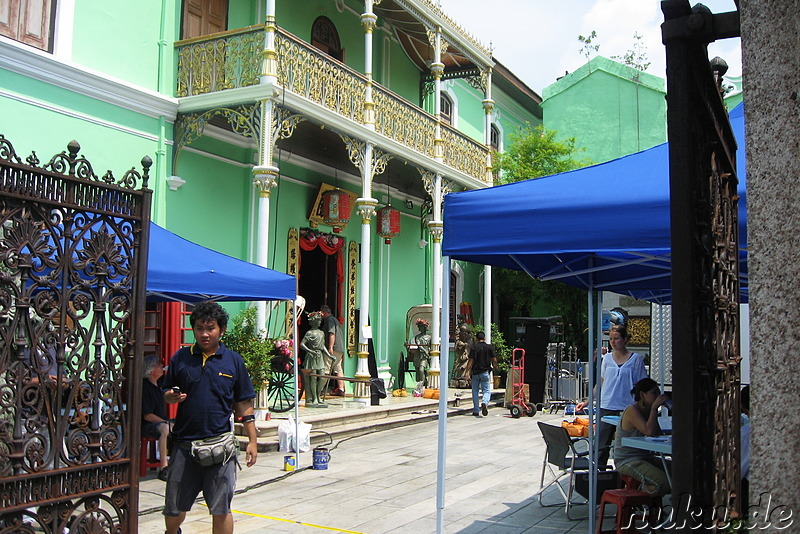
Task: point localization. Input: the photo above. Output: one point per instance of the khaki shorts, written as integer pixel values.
(335, 366)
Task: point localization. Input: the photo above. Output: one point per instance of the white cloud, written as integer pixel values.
(538, 39)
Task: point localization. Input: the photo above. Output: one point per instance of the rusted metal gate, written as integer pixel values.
(705, 269)
(73, 257)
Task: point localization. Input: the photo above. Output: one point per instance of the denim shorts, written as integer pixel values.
(186, 478)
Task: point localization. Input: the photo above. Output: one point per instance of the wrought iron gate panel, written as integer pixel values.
(73, 250)
(705, 271)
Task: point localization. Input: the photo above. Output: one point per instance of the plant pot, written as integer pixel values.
(497, 381)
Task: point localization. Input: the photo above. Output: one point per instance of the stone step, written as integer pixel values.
(350, 421)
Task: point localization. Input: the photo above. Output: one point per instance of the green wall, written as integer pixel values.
(611, 109)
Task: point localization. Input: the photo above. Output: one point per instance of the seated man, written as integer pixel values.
(154, 421)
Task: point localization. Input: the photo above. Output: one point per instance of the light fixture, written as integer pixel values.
(422, 243)
(175, 182)
(409, 205)
(388, 220)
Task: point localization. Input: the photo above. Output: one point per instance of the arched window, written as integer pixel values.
(494, 138)
(325, 37)
(446, 108)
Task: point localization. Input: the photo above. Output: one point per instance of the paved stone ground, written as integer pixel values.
(386, 482)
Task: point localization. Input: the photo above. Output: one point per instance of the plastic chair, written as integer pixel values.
(561, 460)
(625, 500)
(148, 461)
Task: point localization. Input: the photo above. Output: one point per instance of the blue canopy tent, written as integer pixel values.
(180, 270)
(605, 226)
(602, 228)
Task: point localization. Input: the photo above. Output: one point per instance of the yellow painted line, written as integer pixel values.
(260, 516)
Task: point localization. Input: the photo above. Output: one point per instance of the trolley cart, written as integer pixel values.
(518, 404)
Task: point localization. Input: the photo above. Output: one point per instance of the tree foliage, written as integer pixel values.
(588, 48)
(536, 152)
(635, 57)
(533, 153)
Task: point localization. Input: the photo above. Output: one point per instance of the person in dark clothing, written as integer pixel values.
(154, 414)
(210, 383)
(482, 359)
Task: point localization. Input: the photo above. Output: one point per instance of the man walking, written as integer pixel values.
(210, 383)
(335, 344)
(482, 359)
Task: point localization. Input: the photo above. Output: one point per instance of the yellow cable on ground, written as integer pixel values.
(295, 522)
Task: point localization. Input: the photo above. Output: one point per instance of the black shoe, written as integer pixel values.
(484, 410)
(162, 474)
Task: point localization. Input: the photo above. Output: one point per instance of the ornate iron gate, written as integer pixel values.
(705, 270)
(73, 255)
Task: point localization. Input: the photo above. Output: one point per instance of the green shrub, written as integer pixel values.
(255, 348)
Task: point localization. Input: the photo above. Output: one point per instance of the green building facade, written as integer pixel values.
(251, 110)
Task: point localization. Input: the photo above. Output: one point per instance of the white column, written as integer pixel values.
(436, 229)
(269, 68)
(368, 19)
(365, 206)
(487, 302)
(488, 107)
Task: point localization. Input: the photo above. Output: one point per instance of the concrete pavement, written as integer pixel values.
(380, 482)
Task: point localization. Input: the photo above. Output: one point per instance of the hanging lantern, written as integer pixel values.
(336, 209)
(388, 223)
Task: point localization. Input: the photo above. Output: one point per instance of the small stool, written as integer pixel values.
(148, 461)
(629, 482)
(624, 499)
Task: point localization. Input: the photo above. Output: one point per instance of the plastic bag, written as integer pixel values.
(286, 437)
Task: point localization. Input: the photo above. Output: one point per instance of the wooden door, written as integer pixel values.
(204, 17)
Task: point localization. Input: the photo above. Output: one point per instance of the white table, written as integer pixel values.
(662, 445)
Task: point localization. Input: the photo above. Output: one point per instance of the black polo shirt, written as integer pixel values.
(211, 390)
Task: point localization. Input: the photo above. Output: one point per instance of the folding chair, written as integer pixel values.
(561, 460)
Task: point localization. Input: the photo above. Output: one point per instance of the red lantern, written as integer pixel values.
(336, 209)
(388, 223)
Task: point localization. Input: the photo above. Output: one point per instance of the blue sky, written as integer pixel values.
(538, 39)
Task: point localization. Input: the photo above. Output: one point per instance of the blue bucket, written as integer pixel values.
(321, 458)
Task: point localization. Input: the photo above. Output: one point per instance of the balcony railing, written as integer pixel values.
(230, 60)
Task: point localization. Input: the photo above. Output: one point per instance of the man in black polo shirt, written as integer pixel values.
(213, 384)
(482, 360)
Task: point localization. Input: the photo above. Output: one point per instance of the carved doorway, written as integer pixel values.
(321, 272)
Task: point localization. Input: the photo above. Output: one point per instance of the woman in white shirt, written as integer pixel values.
(621, 370)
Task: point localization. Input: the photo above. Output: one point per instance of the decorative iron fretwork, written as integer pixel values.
(229, 61)
(308, 72)
(465, 155)
(705, 262)
(284, 122)
(357, 152)
(428, 181)
(71, 324)
(233, 60)
(352, 292)
(244, 120)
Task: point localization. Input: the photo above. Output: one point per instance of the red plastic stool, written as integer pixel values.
(625, 499)
(148, 461)
(629, 482)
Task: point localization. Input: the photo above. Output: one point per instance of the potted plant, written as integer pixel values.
(256, 349)
(503, 353)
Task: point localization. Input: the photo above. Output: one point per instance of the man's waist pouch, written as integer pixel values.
(215, 450)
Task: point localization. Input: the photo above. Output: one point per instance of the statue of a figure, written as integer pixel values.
(422, 357)
(316, 352)
(462, 346)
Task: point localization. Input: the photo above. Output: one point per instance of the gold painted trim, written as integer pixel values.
(352, 285)
(292, 268)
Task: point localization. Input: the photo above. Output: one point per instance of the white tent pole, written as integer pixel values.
(441, 461)
(593, 413)
(661, 343)
(296, 351)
